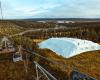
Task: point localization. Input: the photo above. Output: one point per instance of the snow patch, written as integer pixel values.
(68, 47)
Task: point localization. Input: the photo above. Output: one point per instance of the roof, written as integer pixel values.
(68, 47)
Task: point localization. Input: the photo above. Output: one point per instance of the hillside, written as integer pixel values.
(58, 66)
(8, 28)
(87, 63)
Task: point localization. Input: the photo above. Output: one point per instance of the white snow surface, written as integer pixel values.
(68, 47)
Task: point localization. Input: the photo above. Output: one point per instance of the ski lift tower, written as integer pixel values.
(6, 45)
(48, 75)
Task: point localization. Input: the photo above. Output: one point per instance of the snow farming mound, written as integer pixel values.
(68, 47)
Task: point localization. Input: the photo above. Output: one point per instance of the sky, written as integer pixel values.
(21, 9)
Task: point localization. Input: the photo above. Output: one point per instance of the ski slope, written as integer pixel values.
(68, 47)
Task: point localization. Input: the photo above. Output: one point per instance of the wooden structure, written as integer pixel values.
(6, 46)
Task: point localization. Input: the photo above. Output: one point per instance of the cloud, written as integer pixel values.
(10, 10)
(48, 8)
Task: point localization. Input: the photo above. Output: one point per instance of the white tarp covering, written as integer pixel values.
(68, 47)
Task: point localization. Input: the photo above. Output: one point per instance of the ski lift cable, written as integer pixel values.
(2, 17)
(25, 66)
(18, 54)
(19, 58)
(41, 56)
(62, 66)
(48, 59)
(1, 10)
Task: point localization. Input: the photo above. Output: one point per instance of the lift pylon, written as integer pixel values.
(44, 71)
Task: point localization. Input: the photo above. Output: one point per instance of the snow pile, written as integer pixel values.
(68, 47)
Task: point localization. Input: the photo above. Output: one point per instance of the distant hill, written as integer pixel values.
(69, 19)
(53, 19)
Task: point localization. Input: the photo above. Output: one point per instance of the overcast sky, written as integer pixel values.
(51, 9)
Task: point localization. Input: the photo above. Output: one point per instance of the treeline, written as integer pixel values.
(26, 42)
(81, 24)
(7, 28)
(81, 33)
(34, 25)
